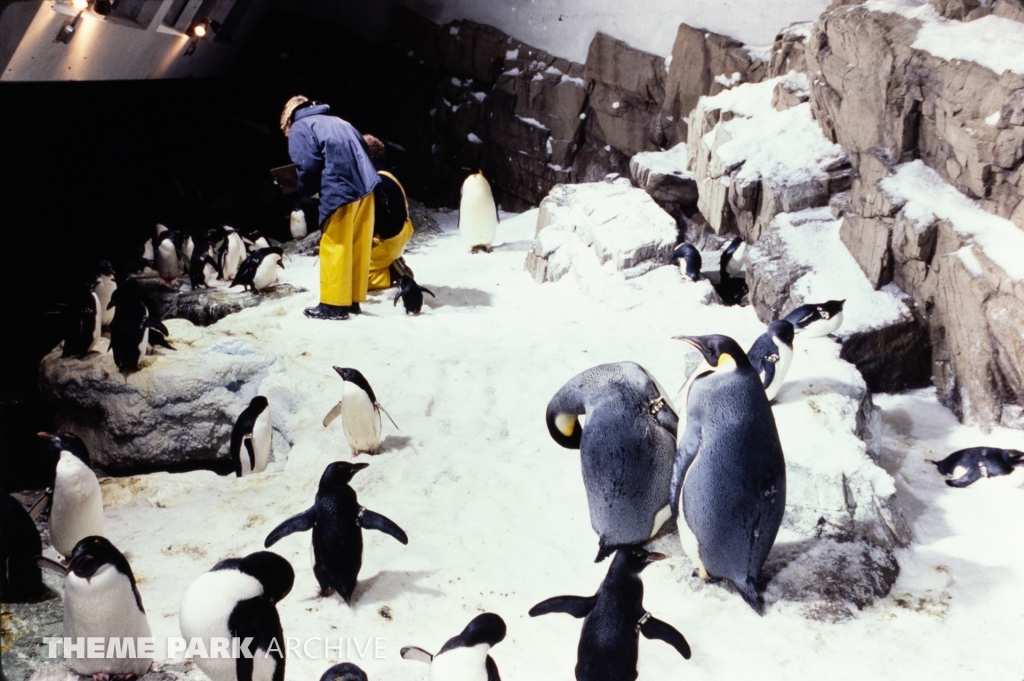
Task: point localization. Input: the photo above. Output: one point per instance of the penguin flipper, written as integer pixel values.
(655, 629)
(158, 339)
(577, 606)
(689, 445)
(257, 619)
(300, 522)
(397, 296)
(749, 592)
(369, 520)
(492, 669)
(52, 565)
(972, 475)
(247, 441)
(332, 414)
(768, 367)
(42, 503)
(418, 654)
(424, 289)
(380, 408)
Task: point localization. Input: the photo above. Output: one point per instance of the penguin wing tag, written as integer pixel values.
(654, 629)
(42, 503)
(380, 408)
(297, 523)
(577, 606)
(332, 414)
(247, 441)
(418, 654)
(51, 565)
(368, 520)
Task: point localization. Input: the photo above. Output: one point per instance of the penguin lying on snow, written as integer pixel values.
(346, 671)
(259, 269)
(465, 656)
(967, 466)
(76, 502)
(359, 411)
(817, 319)
(251, 438)
(478, 214)
(337, 521)
(626, 449)
(771, 354)
(411, 294)
(613, 619)
(238, 599)
(134, 328)
(20, 543)
(687, 257)
(729, 476)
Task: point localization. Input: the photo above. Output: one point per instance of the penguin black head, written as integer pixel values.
(691, 256)
(486, 628)
(564, 428)
(720, 352)
(831, 308)
(272, 571)
(340, 473)
(105, 267)
(258, 403)
(782, 330)
(345, 671)
(356, 377)
(407, 283)
(68, 442)
(634, 559)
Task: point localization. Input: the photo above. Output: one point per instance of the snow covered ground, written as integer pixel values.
(496, 512)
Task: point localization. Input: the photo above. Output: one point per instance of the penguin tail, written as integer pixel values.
(749, 592)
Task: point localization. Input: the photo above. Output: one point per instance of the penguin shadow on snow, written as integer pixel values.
(388, 585)
(394, 443)
(513, 246)
(449, 296)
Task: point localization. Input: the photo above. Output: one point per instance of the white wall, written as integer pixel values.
(566, 27)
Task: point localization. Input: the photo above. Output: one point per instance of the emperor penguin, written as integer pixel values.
(967, 466)
(346, 671)
(771, 354)
(165, 253)
(237, 599)
(337, 520)
(251, 438)
(104, 284)
(411, 294)
(627, 446)
(298, 224)
(359, 411)
(82, 321)
(259, 269)
(817, 319)
(77, 504)
(101, 600)
(729, 477)
(232, 253)
(465, 657)
(733, 258)
(478, 214)
(687, 257)
(613, 620)
(20, 544)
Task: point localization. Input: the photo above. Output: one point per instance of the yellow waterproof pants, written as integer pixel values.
(385, 252)
(345, 253)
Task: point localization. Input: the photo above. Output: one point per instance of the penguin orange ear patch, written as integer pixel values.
(566, 424)
(726, 362)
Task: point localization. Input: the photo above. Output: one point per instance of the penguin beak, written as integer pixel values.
(54, 440)
(654, 557)
(705, 364)
(356, 467)
(690, 340)
(78, 561)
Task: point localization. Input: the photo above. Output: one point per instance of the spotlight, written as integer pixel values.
(80, 5)
(199, 30)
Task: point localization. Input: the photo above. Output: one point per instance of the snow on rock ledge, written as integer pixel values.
(664, 176)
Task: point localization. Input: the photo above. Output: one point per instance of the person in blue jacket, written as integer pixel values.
(332, 159)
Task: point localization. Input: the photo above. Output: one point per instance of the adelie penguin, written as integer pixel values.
(817, 319)
(103, 285)
(733, 259)
(237, 599)
(20, 544)
(337, 520)
(771, 354)
(967, 466)
(232, 253)
(297, 224)
(82, 320)
(76, 502)
(259, 270)
(465, 657)
(203, 267)
(165, 253)
(613, 620)
(687, 257)
(359, 412)
(346, 671)
(133, 329)
(627, 446)
(478, 214)
(411, 294)
(729, 477)
(251, 438)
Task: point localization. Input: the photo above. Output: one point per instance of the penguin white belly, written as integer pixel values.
(823, 327)
(691, 547)
(478, 217)
(261, 439)
(235, 255)
(659, 519)
(97, 327)
(104, 606)
(266, 273)
(261, 243)
(209, 274)
(360, 419)
(77, 505)
(461, 664)
(167, 260)
(1008, 481)
(738, 260)
(204, 612)
(781, 367)
(298, 224)
(105, 290)
(143, 344)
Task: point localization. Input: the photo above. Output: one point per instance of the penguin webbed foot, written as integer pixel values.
(324, 591)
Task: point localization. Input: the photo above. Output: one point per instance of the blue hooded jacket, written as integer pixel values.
(331, 158)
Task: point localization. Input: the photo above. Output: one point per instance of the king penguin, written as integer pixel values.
(465, 657)
(237, 599)
(251, 438)
(687, 257)
(298, 224)
(967, 466)
(77, 504)
(359, 411)
(771, 354)
(337, 521)
(613, 620)
(478, 214)
(20, 544)
(729, 476)
(816, 319)
(626, 449)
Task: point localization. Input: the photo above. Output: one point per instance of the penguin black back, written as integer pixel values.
(690, 256)
(92, 553)
(411, 294)
(68, 442)
(241, 434)
(967, 466)
(346, 671)
(20, 577)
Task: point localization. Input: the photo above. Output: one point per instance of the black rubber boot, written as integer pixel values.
(325, 311)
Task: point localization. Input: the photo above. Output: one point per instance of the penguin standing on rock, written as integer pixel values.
(82, 324)
(967, 466)
(817, 319)
(165, 253)
(337, 521)
(297, 224)
(259, 269)
(77, 504)
(626, 449)
(104, 284)
(359, 411)
(238, 599)
(411, 294)
(134, 329)
(232, 253)
(203, 268)
(465, 657)
(251, 438)
(20, 544)
(687, 257)
(613, 620)
(729, 477)
(771, 354)
(478, 214)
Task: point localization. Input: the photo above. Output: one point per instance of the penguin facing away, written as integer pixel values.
(297, 224)
(259, 269)
(238, 599)
(346, 671)
(817, 319)
(465, 657)
(613, 620)
(966, 466)
(733, 258)
(626, 449)
(729, 476)
(771, 355)
(203, 267)
(687, 257)
(101, 600)
(20, 543)
(76, 503)
(359, 411)
(133, 329)
(82, 321)
(411, 294)
(337, 521)
(251, 438)
(478, 214)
